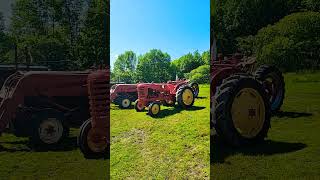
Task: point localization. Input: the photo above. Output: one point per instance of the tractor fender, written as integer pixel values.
(219, 76)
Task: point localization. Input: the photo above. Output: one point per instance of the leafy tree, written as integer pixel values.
(238, 18)
(154, 66)
(292, 43)
(200, 75)
(313, 5)
(93, 46)
(188, 62)
(124, 67)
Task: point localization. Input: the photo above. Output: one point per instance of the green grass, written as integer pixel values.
(176, 145)
(292, 149)
(18, 161)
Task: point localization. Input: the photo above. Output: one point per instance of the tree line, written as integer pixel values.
(285, 33)
(63, 34)
(157, 66)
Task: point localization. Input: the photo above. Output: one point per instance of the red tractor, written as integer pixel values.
(94, 138)
(243, 98)
(44, 105)
(123, 94)
(152, 95)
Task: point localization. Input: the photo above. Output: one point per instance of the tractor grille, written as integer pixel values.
(99, 99)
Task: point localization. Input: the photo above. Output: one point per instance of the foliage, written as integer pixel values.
(313, 5)
(188, 62)
(234, 18)
(124, 67)
(72, 33)
(154, 66)
(292, 43)
(200, 75)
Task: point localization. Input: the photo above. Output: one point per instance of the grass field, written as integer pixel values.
(173, 146)
(18, 161)
(292, 149)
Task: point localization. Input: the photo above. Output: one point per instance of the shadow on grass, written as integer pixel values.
(202, 98)
(168, 112)
(220, 151)
(288, 114)
(68, 144)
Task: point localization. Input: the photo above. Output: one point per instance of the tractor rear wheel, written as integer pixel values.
(241, 113)
(154, 109)
(195, 87)
(185, 96)
(124, 102)
(273, 82)
(49, 128)
(139, 106)
(89, 144)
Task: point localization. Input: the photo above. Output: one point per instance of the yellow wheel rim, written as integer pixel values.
(248, 112)
(95, 142)
(187, 97)
(155, 109)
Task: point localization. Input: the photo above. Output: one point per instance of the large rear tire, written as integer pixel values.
(273, 82)
(88, 146)
(185, 97)
(241, 112)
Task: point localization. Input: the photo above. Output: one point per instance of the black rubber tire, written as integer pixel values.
(120, 102)
(41, 116)
(222, 118)
(180, 99)
(262, 73)
(136, 106)
(195, 87)
(150, 109)
(83, 143)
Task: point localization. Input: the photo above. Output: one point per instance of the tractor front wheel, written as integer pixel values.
(241, 113)
(195, 87)
(91, 144)
(273, 82)
(154, 109)
(139, 106)
(185, 96)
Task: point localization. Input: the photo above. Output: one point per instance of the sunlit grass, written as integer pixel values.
(176, 145)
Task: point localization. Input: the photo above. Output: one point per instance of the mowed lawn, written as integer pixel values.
(18, 161)
(292, 149)
(174, 146)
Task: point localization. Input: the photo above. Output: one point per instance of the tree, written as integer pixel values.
(292, 44)
(187, 63)
(200, 75)
(5, 41)
(154, 66)
(238, 18)
(93, 47)
(124, 67)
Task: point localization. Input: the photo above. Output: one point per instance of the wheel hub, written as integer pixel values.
(155, 109)
(125, 102)
(50, 131)
(248, 112)
(187, 96)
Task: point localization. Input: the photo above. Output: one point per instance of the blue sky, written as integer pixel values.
(173, 26)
